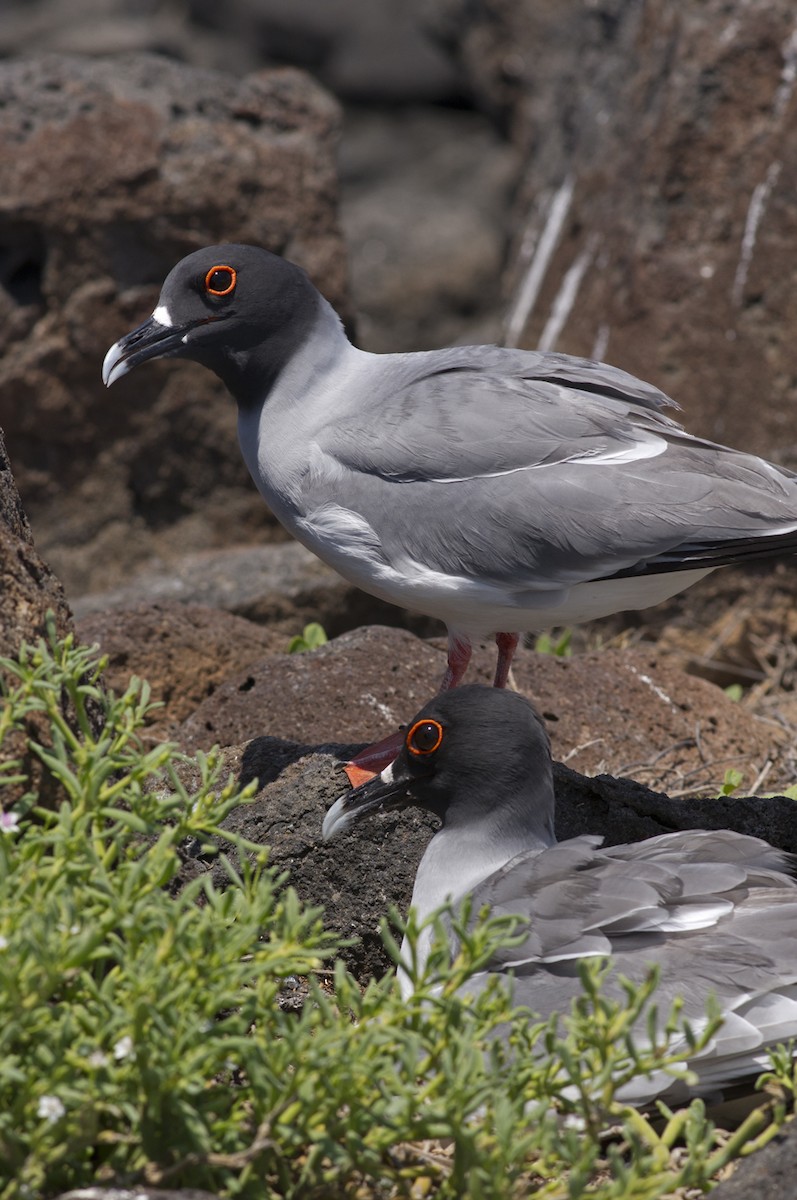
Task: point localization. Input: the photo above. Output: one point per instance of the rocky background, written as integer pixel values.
(601, 177)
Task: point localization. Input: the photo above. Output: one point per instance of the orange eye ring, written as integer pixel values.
(224, 286)
(424, 737)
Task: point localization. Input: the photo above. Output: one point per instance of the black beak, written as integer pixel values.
(385, 791)
(151, 340)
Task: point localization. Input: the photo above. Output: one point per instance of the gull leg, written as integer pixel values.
(459, 655)
(507, 645)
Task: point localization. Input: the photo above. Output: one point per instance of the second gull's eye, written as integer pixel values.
(424, 737)
(221, 280)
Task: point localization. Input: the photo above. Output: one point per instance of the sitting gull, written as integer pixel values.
(499, 490)
(716, 911)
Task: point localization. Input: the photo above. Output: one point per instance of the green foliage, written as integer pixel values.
(311, 637)
(123, 1007)
(559, 646)
(732, 781)
(142, 1041)
(790, 793)
(734, 691)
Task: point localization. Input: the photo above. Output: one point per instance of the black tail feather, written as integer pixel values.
(691, 556)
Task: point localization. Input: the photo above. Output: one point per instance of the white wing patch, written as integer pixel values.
(647, 445)
(696, 916)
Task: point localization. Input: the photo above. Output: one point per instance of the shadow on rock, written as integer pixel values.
(265, 758)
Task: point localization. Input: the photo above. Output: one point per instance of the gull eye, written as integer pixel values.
(221, 280)
(424, 737)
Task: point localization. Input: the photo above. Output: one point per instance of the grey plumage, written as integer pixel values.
(716, 912)
(500, 490)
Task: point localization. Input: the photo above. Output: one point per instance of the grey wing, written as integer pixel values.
(553, 474)
(716, 912)
(482, 411)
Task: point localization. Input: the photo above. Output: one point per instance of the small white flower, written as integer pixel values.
(97, 1058)
(3, 942)
(50, 1108)
(9, 822)
(72, 930)
(123, 1048)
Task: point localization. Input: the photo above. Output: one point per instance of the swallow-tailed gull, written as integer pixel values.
(716, 911)
(499, 490)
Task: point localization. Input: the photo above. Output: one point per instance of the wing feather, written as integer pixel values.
(538, 471)
(714, 912)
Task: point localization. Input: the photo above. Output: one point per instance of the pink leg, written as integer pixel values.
(507, 645)
(459, 653)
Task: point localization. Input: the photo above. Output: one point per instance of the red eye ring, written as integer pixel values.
(226, 270)
(424, 737)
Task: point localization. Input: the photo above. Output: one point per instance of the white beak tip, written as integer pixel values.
(335, 820)
(112, 367)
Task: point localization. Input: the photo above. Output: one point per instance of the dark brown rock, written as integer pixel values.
(355, 879)
(363, 51)
(28, 588)
(357, 688)
(674, 126)
(110, 172)
(100, 27)
(769, 1174)
(636, 713)
(183, 651)
(30, 597)
(620, 712)
(425, 208)
(622, 810)
(281, 585)
(12, 513)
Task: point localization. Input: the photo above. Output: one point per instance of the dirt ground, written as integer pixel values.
(738, 630)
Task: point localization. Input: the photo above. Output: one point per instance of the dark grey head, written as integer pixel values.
(238, 310)
(470, 752)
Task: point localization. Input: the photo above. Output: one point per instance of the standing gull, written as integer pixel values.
(716, 911)
(499, 490)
